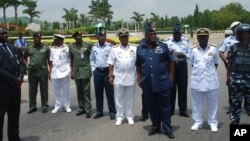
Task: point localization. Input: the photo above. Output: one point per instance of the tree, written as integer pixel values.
(15, 4)
(196, 17)
(138, 18)
(71, 17)
(4, 4)
(31, 9)
(56, 26)
(155, 18)
(100, 9)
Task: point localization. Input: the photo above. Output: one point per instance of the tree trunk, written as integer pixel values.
(4, 14)
(16, 14)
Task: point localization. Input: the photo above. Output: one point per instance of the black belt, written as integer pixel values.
(102, 69)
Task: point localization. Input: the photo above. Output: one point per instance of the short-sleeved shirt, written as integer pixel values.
(39, 57)
(20, 43)
(60, 61)
(99, 55)
(204, 74)
(154, 66)
(81, 60)
(228, 42)
(182, 46)
(123, 59)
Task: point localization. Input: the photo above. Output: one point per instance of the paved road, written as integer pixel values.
(67, 127)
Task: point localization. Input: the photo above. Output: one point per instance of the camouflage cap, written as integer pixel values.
(37, 34)
(76, 33)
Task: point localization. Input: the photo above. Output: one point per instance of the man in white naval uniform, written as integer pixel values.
(122, 75)
(204, 80)
(59, 74)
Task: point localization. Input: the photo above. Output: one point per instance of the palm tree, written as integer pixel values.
(31, 9)
(15, 4)
(4, 4)
(138, 18)
(70, 16)
(155, 18)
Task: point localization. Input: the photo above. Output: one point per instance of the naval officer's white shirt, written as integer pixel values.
(204, 74)
(123, 59)
(99, 55)
(60, 61)
(183, 46)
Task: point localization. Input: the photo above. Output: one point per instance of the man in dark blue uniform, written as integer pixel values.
(12, 70)
(155, 67)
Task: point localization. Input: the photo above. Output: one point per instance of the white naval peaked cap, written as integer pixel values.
(58, 36)
(235, 23)
(228, 31)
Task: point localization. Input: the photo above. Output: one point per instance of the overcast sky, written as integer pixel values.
(123, 9)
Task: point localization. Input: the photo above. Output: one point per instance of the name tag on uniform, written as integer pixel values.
(82, 54)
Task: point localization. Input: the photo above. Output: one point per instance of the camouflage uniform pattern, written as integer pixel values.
(239, 80)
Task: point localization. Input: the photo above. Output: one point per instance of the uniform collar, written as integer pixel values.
(200, 48)
(125, 47)
(104, 45)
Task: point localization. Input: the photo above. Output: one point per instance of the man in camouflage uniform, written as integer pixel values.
(238, 71)
(38, 72)
(81, 72)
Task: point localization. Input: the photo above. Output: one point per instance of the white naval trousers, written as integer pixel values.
(211, 98)
(61, 89)
(124, 101)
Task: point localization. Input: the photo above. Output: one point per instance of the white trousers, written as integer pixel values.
(124, 101)
(211, 98)
(61, 89)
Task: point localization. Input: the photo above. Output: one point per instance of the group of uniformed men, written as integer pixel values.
(157, 67)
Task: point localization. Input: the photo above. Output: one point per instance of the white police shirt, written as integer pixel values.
(204, 74)
(123, 59)
(99, 55)
(228, 42)
(60, 60)
(182, 46)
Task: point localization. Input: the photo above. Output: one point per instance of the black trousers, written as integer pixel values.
(180, 83)
(159, 109)
(10, 100)
(101, 82)
(144, 110)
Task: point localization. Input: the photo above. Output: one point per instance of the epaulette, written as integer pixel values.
(134, 45)
(141, 44)
(193, 46)
(213, 45)
(116, 46)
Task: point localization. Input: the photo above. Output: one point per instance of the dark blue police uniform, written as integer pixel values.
(155, 82)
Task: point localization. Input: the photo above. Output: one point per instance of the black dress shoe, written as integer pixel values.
(88, 115)
(98, 115)
(184, 115)
(170, 135)
(45, 109)
(80, 113)
(154, 131)
(112, 117)
(32, 110)
(143, 118)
